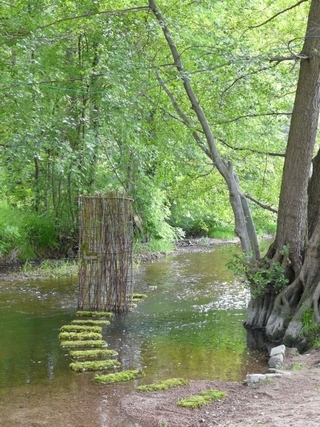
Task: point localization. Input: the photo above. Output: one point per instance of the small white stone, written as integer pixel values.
(280, 349)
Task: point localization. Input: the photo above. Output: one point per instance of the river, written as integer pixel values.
(190, 325)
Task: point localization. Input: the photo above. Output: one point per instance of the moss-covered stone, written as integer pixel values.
(84, 344)
(81, 328)
(94, 314)
(202, 398)
(94, 365)
(79, 336)
(163, 385)
(92, 354)
(90, 322)
(119, 376)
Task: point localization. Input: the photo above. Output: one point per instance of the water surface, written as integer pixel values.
(190, 325)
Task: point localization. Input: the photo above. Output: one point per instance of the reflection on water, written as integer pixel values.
(189, 326)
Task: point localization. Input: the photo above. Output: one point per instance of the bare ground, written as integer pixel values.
(292, 400)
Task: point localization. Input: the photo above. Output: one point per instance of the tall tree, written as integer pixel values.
(296, 246)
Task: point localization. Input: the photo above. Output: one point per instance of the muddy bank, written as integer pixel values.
(292, 400)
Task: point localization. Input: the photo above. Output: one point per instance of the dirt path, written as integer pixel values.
(292, 400)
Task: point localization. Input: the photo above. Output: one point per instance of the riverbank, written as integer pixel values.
(40, 269)
(291, 400)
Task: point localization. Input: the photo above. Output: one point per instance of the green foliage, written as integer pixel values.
(163, 385)
(119, 376)
(261, 277)
(203, 398)
(311, 330)
(82, 113)
(25, 233)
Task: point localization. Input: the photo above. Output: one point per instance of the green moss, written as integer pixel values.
(94, 314)
(138, 297)
(81, 328)
(92, 354)
(90, 322)
(163, 385)
(79, 336)
(119, 376)
(84, 344)
(201, 399)
(94, 365)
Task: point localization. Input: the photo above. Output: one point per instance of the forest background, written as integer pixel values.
(92, 102)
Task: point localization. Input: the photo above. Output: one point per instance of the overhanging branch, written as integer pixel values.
(262, 205)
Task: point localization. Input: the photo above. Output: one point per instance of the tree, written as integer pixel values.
(282, 312)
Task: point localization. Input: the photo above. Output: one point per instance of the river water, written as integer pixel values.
(190, 325)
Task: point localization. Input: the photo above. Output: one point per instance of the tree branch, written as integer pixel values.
(249, 116)
(277, 14)
(295, 57)
(88, 15)
(262, 205)
(185, 119)
(265, 153)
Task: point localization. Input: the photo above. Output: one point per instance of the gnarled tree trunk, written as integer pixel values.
(297, 240)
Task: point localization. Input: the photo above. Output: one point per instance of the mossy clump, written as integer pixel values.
(119, 376)
(94, 314)
(84, 344)
(201, 399)
(81, 328)
(90, 322)
(94, 365)
(92, 354)
(79, 336)
(163, 385)
(138, 297)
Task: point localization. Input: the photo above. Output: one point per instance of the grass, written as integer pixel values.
(204, 398)
(92, 354)
(154, 245)
(84, 344)
(90, 322)
(52, 268)
(163, 385)
(94, 365)
(81, 328)
(119, 376)
(79, 336)
(94, 314)
(298, 366)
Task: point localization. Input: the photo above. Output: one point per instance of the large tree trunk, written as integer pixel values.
(280, 314)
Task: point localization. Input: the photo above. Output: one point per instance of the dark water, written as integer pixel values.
(189, 326)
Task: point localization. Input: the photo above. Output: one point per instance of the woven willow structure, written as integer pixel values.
(105, 253)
